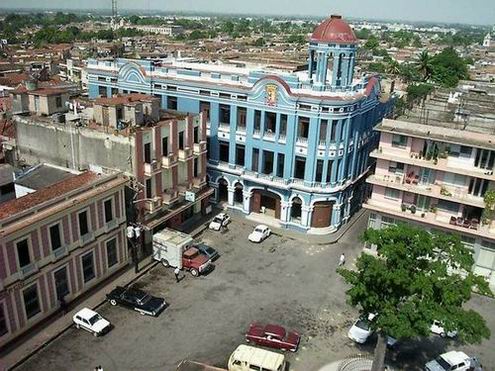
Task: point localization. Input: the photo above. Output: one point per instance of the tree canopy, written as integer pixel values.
(448, 68)
(417, 277)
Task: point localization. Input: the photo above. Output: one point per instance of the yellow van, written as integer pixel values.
(247, 358)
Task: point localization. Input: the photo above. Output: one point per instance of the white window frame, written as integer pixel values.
(61, 232)
(82, 266)
(114, 214)
(30, 249)
(88, 215)
(116, 251)
(3, 307)
(389, 197)
(40, 302)
(66, 266)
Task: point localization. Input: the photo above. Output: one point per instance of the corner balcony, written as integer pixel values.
(152, 168)
(169, 161)
(153, 205)
(436, 190)
(199, 148)
(170, 196)
(434, 218)
(441, 164)
(199, 183)
(185, 154)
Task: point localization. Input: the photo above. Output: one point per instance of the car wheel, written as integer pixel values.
(78, 326)
(443, 334)
(165, 263)
(142, 313)
(95, 334)
(113, 302)
(194, 272)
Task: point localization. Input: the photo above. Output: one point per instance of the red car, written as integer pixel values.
(273, 336)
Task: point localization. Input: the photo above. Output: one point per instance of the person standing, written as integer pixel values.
(63, 305)
(176, 273)
(342, 260)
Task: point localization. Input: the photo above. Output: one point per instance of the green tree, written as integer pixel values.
(259, 42)
(448, 68)
(393, 68)
(417, 92)
(372, 43)
(424, 64)
(417, 277)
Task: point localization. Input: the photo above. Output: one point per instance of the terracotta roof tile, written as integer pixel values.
(31, 200)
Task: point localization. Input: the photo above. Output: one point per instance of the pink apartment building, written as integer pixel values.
(58, 242)
(436, 176)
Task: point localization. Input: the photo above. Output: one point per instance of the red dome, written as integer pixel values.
(334, 30)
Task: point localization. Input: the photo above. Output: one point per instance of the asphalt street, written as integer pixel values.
(281, 280)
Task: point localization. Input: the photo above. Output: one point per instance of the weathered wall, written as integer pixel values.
(46, 142)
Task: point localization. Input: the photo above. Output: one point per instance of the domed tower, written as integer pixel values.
(332, 51)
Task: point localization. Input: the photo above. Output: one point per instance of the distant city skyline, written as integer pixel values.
(480, 12)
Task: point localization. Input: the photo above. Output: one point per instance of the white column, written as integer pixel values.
(230, 194)
(285, 211)
(306, 212)
(246, 201)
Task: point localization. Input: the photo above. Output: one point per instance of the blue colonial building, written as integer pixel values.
(292, 145)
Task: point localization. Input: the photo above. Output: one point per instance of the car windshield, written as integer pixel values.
(95, 319)
(363, 324)
(144, 299)
(258, 229)
(217, 219)
(443, 363)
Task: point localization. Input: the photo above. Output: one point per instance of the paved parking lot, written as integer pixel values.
(282, 280)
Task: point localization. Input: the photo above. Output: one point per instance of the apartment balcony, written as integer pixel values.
(441, 164)
(269, 135)
(199, 148)
(169, 161)
(184, 187)
(282, 138)
(241, 129)
(185, 154)
(152, 168)
(434, 218)
(199, 183)
(170, 196)
(224, 127)
(257, 133)
(436, 190)
(153, 205)
(302, 141)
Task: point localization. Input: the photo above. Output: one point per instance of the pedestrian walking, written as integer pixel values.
(63, 305)
(176, 272)
(342, 260)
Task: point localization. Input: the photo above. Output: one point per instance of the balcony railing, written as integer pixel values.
(169, 161)
(153, 205)
(30, 268)
(170, 196)
(257, 133)
(60, 252)
(302, 141)
(87, 237)
(224, 127)
(151, 168)
(184, 154)
(282, 138)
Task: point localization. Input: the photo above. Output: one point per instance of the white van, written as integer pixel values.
(247, 358)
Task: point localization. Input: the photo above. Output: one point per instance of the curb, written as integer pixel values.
(145, 270)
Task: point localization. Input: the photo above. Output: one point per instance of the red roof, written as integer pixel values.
(30, 200)
(334, 30)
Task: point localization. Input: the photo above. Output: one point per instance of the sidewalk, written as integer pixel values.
(58, 326)
(326, 239)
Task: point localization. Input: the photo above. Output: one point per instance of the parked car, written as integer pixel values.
(437, 328)
(245, 358)
(176, 249)
(273, 336)
(219, 221)
(361, 330)
(454, 360)
(260, 233)
(137, 300)
(91, 321)
(209, 251)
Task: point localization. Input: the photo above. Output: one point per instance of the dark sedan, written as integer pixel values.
(137, 300)
(209, 251)
(273, 336)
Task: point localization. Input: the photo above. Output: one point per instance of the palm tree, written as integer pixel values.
(423, 64)
(393, 68)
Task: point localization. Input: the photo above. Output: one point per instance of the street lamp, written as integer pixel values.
(134, 237)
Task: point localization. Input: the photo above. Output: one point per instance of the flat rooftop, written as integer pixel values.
(44, 175)
(451, 134)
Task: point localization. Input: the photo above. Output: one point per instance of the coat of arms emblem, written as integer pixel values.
(271, 95)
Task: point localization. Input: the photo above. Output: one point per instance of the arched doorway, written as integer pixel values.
(238, 197)
(322, 214)
(296, 210)
(266, 202)
(223, 193)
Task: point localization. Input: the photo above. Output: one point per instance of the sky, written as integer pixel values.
(441, 11)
